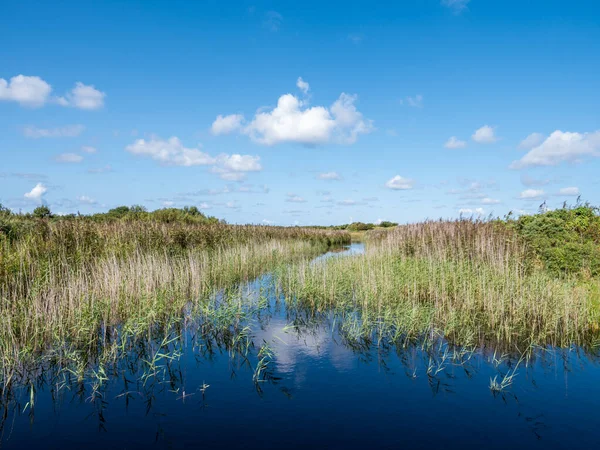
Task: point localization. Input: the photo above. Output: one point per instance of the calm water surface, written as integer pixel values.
(322, 391)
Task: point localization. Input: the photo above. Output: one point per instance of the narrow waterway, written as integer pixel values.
(303, 382)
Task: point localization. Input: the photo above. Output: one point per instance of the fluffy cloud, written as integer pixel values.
(569, 191)
(531, 141)
(530, 194)
(293, 121)
(560, 147)
(329, 176)
(86, 200)
(470, 212)
(484, 135)
(170, 152)
(27, 91)
(454, 142)
(69, 158)
(302, 85)
(88, 149)
(227, 124)
(399, 183)
(37, 193)
(83, 97)
(33, 132)
(34, 92)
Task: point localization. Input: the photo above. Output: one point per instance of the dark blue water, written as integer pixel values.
(320, 390)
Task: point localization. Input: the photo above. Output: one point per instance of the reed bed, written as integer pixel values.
(471, 281)
(67, 283)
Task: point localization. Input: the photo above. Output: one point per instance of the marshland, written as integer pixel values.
(171, 322)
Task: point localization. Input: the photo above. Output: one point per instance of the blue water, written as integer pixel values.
(322, 391)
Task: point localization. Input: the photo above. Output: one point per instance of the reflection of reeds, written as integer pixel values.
(470, 280)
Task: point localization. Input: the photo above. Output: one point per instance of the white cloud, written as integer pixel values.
(348, 202)
(31, 131)
(560, 147)
(490, 201)
(293, 198)
(34, 92)
(399, 183)
(569, 191)
(267, 222)
(456, 5)
(83, 96)
(227, 124)
(302, 85)
(470, 212)
(86, 200)
(105, 169)
(88, 149)
(293, 121)
(329, 176)
(27, 91)
(37, 192)
(454, 142)
(484, 135)
(69, 158)
(532, 194)
(531, 141)
(170, 152)
(239, 163)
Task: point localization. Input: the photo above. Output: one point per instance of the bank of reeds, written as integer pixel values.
(475, 282)
(65, 282)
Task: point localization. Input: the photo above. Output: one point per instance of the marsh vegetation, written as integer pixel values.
(142, 310)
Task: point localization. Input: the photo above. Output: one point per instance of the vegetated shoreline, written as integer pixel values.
(509, 284)
(67, 282)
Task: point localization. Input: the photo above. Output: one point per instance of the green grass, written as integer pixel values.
(476, 283)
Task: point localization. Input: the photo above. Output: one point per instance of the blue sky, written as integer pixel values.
(309, 113)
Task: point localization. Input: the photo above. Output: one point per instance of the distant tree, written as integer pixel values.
(42, 212)
(4, 211)
(118, 212)
(192, 211)
(137, 209)
(386, 224)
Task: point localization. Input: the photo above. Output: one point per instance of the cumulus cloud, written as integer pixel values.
(302, 85)
(170, 152)
(399, 183)
(484, 135)
(531, 141)
(83, 96)
(329, 176)
(86, 200)
(88, 149)
(69, 158)
(37, 193)
(530, 194)
(569, 191)
(34, 92)
(227, 124)
(292, 120)
(454, 142)
(293, 198)
(471, 212)
(27, 91)
(33, 132)
(561, 147)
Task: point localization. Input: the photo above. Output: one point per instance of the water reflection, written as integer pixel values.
(319, 382)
